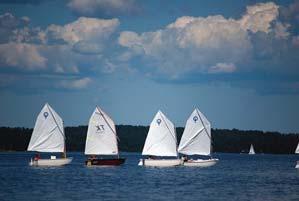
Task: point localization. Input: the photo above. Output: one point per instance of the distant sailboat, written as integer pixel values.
(48, 136)
(196, 140)
(161, 141)
(297, 152)
(102, 140)
(251, 151)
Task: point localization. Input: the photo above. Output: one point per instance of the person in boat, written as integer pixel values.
(184, 158)
(37, 157)
(151, 157)
(92, 157)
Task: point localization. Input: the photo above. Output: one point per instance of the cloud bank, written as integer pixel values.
(204, 45)
(262, 40)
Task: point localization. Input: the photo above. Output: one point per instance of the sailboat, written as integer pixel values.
(196, 140)
(251, 151)
(48, 136)
(297, 152)
(102, 140)
(160, 142)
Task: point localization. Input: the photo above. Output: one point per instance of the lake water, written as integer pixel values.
(235, 177)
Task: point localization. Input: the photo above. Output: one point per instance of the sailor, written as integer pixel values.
(184, 158)
(92, 157)
(37, 157)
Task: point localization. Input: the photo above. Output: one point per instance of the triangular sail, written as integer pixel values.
(101, 135)
(161, 138)
(251, 151)
(297, 149)
(196, 139)
(48, 133)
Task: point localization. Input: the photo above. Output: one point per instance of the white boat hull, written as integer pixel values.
(51, 162)
(160, 162)
(201, 162)
(297, 165)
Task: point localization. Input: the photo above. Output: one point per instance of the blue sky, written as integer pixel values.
(237, 61)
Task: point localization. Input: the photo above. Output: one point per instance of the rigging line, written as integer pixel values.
(193, 137)
(203, 124)
(107, 122)
(56, 122)
(211, 144)
(174, 136)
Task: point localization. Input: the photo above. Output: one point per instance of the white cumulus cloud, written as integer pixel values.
(259, 17)
(21, 55)
(212, 44)
(83, 29)
(223, 68)
(75, 84)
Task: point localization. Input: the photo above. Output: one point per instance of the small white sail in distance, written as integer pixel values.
(161, 138)
(101, 136)
(196, 138)
(251, 151)
(48, 133)
(297, 149)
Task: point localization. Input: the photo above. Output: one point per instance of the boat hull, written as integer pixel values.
(50, 162)
(160, 162)
(201, 162)
(105, 162)
(297, 165)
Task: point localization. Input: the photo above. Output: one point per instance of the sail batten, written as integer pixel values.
(161, 138)
(48, 134)
(196, 138)
(101, 135)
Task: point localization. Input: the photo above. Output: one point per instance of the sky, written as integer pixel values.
(237, 61)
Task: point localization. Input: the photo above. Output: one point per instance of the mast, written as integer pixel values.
(64, 153)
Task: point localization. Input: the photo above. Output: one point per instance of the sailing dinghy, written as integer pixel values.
(196, 140)
(297, 152)
(48, 136)
(160, 142)
(251, 151)
(102, 140)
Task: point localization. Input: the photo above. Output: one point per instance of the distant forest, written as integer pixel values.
(132, 139)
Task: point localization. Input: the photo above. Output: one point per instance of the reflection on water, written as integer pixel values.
(235, 177)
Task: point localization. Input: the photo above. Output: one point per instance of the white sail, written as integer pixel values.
(251, 151)
(48, 133)
(161, 138)
(101, 135)
(297, 149)
(196, 139)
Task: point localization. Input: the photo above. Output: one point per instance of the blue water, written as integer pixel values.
(235, 177)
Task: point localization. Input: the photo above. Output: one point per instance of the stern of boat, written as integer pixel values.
(201, 162)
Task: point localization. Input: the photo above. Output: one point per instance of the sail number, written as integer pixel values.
(46, 114)
(195, 118)
(159, 121)
(100, 128)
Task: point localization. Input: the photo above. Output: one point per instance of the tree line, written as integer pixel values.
(132, 139)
